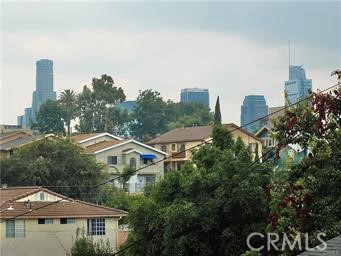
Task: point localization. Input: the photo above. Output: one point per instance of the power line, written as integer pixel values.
(200, 144)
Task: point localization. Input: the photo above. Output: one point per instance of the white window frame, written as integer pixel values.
(15, 228)
(96, 227)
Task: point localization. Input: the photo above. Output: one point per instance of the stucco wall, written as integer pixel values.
(51, 239)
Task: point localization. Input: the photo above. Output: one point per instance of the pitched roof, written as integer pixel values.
(195, 133)
(66, 207)
(102, 145)
(20, 142)
(6, 137)
(106, 145)
(333, 248)
(89, 136)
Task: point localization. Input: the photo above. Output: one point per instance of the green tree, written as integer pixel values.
(217, 114)
(149, 115)
(68, 100)
(85, 246)
(307, 197)
(209, 208)
(97, 107)
(50, 118)
(55, 163)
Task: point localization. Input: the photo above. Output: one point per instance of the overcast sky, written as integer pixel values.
(233, 49)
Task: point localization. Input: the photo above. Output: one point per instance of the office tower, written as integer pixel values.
(298, 86)
(44, 91)
(195, 95)
(254, 107)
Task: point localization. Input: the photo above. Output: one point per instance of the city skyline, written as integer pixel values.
(233, 49)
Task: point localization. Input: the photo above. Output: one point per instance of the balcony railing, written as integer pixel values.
(179, 154)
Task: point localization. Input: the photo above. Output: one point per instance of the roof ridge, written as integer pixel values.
(99, 206)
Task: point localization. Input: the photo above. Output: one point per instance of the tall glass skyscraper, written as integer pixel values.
(298, 86)
(254, 107)
(195, 95)
(44, 91)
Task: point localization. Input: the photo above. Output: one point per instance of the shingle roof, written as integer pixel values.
(7, 137)
(19, 142)
(102, 145)
(66, 207)
(81, 137)
(196, 133)
(333, 249)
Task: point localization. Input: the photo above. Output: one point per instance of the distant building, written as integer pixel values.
(298, 86)
(44, 91)
(195, 95)
(254, 107)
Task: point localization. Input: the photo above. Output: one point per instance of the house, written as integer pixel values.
(11, 143)
(36, 221)
(177, 140)
(118, 154)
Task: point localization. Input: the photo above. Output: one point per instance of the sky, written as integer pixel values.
(232, 48)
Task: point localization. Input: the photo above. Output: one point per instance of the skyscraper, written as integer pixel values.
(298, 86)
(44, 91)
(254, 107)
(195, 95)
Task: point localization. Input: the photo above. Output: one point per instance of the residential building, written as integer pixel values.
(36, 221)
(253, 108)
(119, 154)
(44, 91)
(298, 86)
(176, 141)
(13, 141)
(195, 95)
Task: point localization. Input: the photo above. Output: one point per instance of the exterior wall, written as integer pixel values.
(51, 239)
(36, 197)
(96, 140)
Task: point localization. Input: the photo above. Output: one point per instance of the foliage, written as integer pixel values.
(50, 118)
(307, 198)
(97, 107)
(86, 246)
(197, 211)
(217, 113)
(68, 101)
(152, 115)
(52, 162)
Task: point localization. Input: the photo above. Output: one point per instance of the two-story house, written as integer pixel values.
(177, 140)
(36, 221)
(118, 154)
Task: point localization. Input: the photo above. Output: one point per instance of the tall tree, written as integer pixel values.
(149, 115)
(217, 113)
(68, 100)
(50, 118)
(98, 111)
(53, 162)
(198, 211)
(307, 197)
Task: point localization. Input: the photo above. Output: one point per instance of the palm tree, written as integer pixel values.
(68, 99)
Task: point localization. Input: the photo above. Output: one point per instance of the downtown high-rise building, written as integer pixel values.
(44, 91)
(197, 95)
(298, 86)
(254, 107)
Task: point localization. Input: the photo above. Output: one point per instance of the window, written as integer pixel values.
(147, 161)
(112, 159)
(173, 147)
(182, 147)
(15, 228)
(45, 221)
(96, 227)
(42, 196)
(133, 163)
(67, 221)
(164, 148)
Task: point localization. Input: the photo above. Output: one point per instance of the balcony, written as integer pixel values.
(178, 155)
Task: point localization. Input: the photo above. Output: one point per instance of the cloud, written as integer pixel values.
(164, 60)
